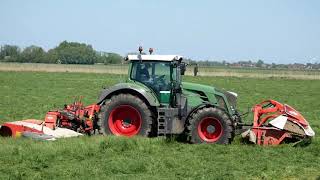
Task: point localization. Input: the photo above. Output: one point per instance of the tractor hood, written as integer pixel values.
(198, 94)
(197, 87)
(211, 93)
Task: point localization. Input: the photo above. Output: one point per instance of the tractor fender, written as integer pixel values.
(140, 90)
(192, 110)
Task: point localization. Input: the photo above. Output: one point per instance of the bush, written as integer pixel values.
(9, 53)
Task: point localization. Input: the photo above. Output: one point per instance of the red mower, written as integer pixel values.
(73, 120)
(275, 123)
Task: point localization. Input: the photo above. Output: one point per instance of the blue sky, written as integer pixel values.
(281, 31)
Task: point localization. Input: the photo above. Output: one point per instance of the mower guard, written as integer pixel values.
(275, 123)
(35, 129)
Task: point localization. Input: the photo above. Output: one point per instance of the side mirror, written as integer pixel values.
(182, 68)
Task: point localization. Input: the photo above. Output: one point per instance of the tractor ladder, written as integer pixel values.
(162, 121)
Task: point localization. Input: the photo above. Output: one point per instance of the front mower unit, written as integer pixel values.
(275, 123)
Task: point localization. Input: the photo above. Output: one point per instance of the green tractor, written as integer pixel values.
(155, 102)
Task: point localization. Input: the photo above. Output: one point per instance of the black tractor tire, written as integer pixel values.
(210, 125)
(119, 107)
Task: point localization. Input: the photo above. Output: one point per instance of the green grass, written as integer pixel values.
(203, 70)
(30, 94)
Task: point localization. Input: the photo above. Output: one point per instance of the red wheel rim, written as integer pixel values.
(210, 129)
(125, 120)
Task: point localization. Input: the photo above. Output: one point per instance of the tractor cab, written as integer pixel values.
(161, 73)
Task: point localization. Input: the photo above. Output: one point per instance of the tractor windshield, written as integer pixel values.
(154, 74)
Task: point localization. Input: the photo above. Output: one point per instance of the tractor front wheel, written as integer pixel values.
(210, 125)
(126, 115)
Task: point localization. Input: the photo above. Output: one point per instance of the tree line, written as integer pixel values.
(64, 53)
(257, 64)
(81, 53)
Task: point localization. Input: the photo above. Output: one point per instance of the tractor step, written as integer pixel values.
(162, 122)
(166, 123)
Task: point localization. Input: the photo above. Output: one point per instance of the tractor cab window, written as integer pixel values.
(154, 74)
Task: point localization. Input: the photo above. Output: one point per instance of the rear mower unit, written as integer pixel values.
(72, 120)
(155, 102)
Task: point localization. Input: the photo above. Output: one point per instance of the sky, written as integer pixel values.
(275, 31)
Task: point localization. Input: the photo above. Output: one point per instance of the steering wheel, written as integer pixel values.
(159, 80)
(161, 77)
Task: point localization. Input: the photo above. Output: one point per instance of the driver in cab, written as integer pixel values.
(144, 72)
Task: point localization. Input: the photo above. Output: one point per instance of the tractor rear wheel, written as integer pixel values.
(126, 115)
(210, 125)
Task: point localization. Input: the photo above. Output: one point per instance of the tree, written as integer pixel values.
(32, 54)
(9, 53)
(51, 57)
(259, 63)
(73, 53)
(64, 53)
(113, 58)
(108, 58)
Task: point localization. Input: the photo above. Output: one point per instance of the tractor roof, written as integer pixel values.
(154, 57)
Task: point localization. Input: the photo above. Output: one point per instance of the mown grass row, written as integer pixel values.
(30, 94)
(203, 70)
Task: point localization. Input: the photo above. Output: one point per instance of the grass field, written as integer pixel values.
(203, 71)
(31, 94)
